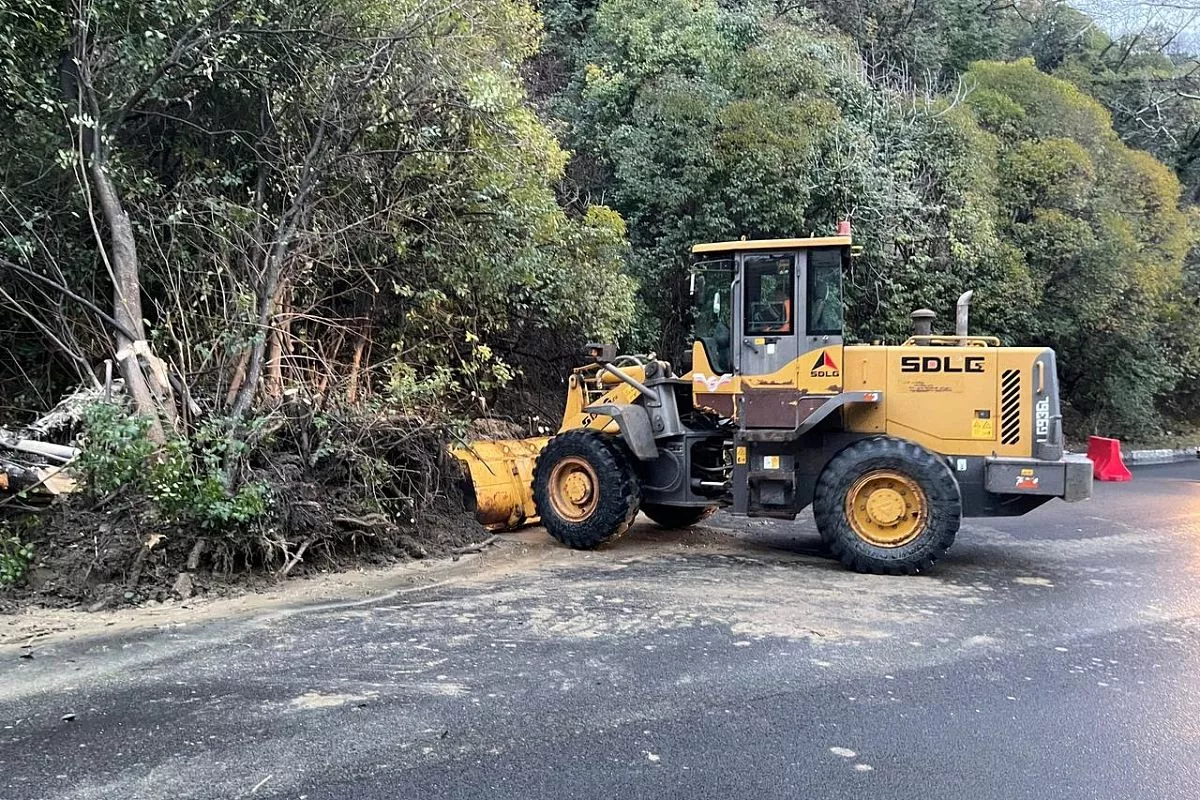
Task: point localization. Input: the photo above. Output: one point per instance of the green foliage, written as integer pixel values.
(1098, 226)
(695, 120)
(444, 187)
(118, 450)
(15, 558)
(1047, 173)
(381, 159)
(706, 122)
(929, 36)
(1047, 106)
(703, 121)
(186, 482)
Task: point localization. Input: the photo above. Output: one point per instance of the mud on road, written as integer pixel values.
(756, 576)
(717, 651)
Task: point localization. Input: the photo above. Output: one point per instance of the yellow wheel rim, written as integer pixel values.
(887, 508)
(574, 489)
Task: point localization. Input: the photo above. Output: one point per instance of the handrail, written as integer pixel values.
(950, 341)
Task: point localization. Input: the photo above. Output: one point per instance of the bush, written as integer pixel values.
(15, 558)
(184, 481)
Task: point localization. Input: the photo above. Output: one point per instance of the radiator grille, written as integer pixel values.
(1010, 406)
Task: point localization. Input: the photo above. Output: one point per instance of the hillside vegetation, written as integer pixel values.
(962, 142)
(314, 236)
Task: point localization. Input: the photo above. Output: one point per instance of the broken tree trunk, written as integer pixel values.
(149, 389)
(127, 309)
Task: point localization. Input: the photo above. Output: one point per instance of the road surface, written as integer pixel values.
(1055, 655)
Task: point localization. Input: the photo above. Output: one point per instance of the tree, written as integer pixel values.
(706, 121)
(306, 176)
(1100, 228)
(323, 227)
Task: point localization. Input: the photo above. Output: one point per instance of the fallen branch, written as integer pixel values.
(369, 522)
(295, 559)
(475, 548)
(51, 452)
(53, 479)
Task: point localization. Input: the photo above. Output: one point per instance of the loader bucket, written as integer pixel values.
(501, 473)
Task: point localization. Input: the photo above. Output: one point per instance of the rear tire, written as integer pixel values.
(585, 489)
(887, 506)
(671, 517)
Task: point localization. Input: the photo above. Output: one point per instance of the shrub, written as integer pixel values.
(185, 481)
(15, 558)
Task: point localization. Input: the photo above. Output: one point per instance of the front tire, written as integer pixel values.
(671, 517)
(887, 506)
(585, 489)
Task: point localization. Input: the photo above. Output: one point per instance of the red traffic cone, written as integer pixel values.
(1106, 455)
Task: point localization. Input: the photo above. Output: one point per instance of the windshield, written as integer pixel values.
(712, 310)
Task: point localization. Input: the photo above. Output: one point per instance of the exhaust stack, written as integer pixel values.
(962, 313)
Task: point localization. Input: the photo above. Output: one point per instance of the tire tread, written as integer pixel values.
(929, 470)
(620, 493)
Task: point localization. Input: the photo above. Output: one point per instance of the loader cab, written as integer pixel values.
(761, 305)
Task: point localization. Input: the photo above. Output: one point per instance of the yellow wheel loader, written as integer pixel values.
(891, 445)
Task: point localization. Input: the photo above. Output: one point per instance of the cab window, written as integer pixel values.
(825, 292)
(712, 310)
(768, 292)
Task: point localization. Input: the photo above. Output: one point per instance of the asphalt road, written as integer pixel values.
(1051, 656)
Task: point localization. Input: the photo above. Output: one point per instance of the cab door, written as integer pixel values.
(819, 371)
(765, 312)
(789, 328)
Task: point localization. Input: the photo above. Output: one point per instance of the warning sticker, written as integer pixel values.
(982, 429)
(770, 462)
(741, 455)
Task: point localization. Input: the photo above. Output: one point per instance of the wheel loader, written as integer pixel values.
(891, 445)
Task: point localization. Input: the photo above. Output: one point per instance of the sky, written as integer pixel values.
(1129, 16)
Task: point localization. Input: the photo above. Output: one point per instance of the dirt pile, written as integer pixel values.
(323, 515)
